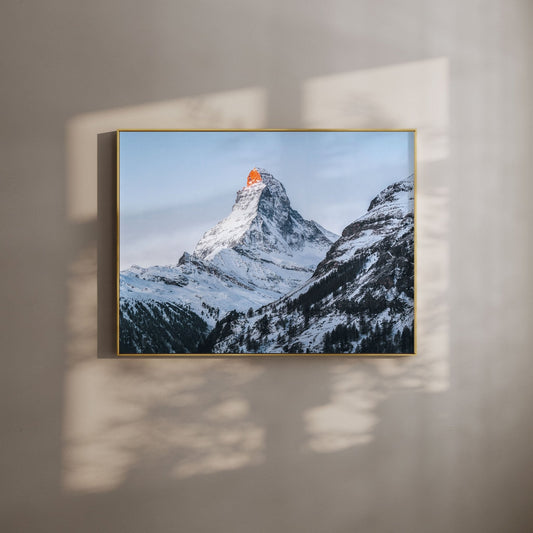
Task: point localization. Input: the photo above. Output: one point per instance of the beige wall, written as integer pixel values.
(437, 443)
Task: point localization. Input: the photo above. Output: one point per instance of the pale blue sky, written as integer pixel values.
(174, 186)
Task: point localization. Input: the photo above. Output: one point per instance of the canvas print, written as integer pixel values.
(266, 242)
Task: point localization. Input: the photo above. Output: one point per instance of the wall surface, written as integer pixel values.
(436, 443)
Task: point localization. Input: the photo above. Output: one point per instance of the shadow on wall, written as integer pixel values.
(155, 422)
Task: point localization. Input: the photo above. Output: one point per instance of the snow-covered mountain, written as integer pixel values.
(264, 242)
(263, 222)
(359, 300)
(261, 251)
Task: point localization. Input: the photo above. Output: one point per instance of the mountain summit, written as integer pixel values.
(262, 221)
(253, 177)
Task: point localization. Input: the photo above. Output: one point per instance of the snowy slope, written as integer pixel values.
(196, 285)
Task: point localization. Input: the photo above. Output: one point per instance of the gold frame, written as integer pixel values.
(159, 355)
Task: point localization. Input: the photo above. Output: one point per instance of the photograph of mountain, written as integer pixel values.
(314, 255)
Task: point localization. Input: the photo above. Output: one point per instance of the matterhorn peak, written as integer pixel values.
(230, 231)
(262, 220)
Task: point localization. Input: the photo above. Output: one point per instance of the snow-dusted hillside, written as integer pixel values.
(359, 300)
(261, 251)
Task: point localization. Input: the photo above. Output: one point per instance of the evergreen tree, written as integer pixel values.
(263, 325)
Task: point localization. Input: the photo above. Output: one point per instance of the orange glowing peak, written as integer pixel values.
(253, 177)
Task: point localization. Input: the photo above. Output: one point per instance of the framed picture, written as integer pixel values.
(266, 242)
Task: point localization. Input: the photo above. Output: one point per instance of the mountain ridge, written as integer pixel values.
(359, 299)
